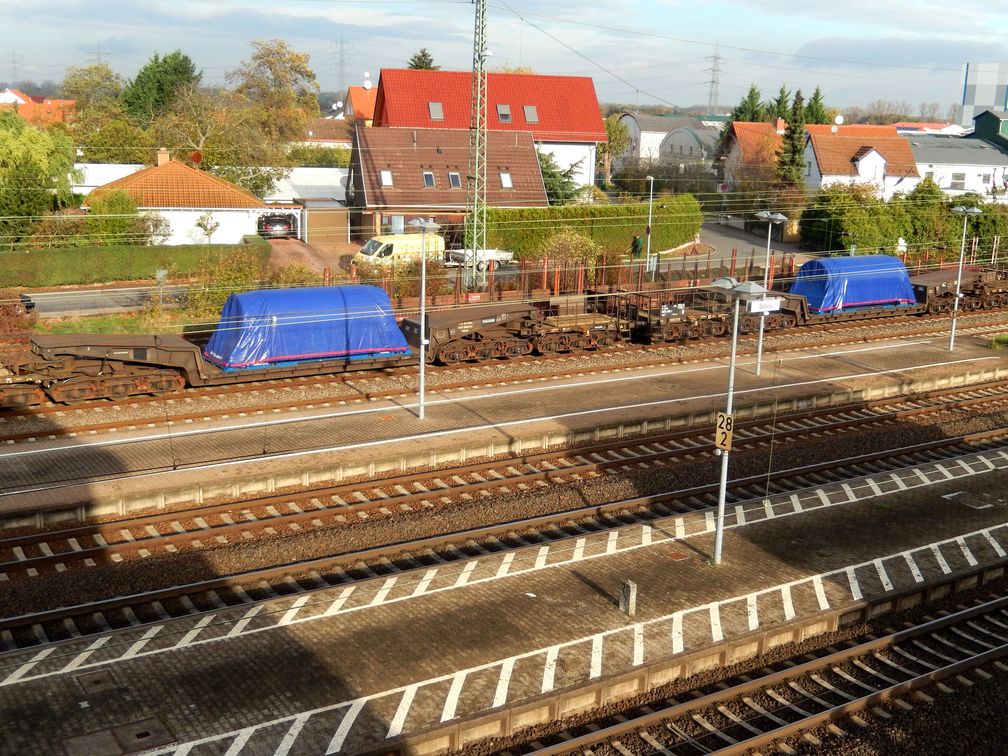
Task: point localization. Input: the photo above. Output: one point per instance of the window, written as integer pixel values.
(504, 113)
(428, 179)
(808, 168)
(436, 111)
(506, 181)
(929, 175)
(386, 178)
(531, 114)
(958, 181)
(454, 180)
(985, 178)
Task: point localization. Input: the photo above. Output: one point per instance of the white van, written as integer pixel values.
(401, 248)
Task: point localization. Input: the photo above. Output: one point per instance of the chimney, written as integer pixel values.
(163, 156)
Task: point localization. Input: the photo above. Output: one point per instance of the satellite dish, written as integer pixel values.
(838, 120)
(195, 157)
(337, 105)
(367, 84)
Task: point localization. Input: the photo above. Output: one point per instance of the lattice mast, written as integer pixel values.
(476, 216)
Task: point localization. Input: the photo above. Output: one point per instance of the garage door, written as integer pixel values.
(327, 225)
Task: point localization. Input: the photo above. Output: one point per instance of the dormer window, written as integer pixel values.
(504, 113)
(436, 110)
(531, 114)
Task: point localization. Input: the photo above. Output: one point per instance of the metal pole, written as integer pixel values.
(650, 204)
(722, 488)
(762, 318)
(423, 318)
(955, 304)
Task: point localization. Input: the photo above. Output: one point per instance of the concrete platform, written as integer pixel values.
(62, 478)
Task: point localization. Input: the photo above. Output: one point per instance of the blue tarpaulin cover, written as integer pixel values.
(832, 284)
(274, 326)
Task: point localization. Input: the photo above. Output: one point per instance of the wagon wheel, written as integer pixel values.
(483, 352)
(788, 321)
(748, 324)
(118, 390)
(715, 328)
(451, 353)
(165, 383)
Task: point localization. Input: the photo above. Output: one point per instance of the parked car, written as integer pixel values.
(277, 226)
(26, 304)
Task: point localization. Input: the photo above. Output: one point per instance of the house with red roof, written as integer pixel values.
(749, 151)
(561, 112)
(38, 111)
(859, 154)
(397, 175)
(181, 194)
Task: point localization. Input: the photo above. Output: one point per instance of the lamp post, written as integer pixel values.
(650, 204)
(965, 212)
(748, 292)
(771, 219)
(424, 226)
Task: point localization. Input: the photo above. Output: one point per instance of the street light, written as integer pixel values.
(771, 219)
(650, 203)
(424, 226)
(965, 212)
(746, 291)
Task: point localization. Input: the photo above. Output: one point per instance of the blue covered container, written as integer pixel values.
(834, 284)
(277, 326)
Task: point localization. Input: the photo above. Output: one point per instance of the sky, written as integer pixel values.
(638, 52)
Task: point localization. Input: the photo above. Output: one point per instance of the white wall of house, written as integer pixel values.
(234, 224)
(7, 97)
(960, 179)
(567, 154)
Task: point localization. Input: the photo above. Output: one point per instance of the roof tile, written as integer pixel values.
(176, 185)
(566, 107)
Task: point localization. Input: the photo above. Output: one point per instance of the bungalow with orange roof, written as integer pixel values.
(859, 154)
(181, 194)
(360, 104)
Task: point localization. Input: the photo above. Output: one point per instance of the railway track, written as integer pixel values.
(28, 555)
(832, 692)
(197, 404)
(344, 570)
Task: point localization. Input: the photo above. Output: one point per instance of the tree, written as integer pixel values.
(116, 141)
(791, 157)
(149, 94)
(94, 86)
(778, 108)
(422, 60)
(207, 225)
(561, 189)
(229, 134)
(617, 141)
(282, 84)
(750, 108)
(815, 109)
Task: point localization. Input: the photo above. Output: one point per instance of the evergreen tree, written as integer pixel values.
(750, 108)
(560, 185)
(791, 158)
(778, 108)
(422, 60)
(815, 110)
(149, 94)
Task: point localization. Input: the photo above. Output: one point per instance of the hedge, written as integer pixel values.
(675, 220)
(90, 265)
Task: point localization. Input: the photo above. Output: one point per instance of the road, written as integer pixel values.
(82, 302)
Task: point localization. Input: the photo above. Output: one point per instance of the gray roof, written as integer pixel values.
(662, 124)
(956, 150)
(303, 183)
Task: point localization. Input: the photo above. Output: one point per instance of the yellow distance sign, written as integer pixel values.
(723, 431)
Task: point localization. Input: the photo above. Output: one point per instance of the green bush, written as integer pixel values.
(675, 220)
(90, 265)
